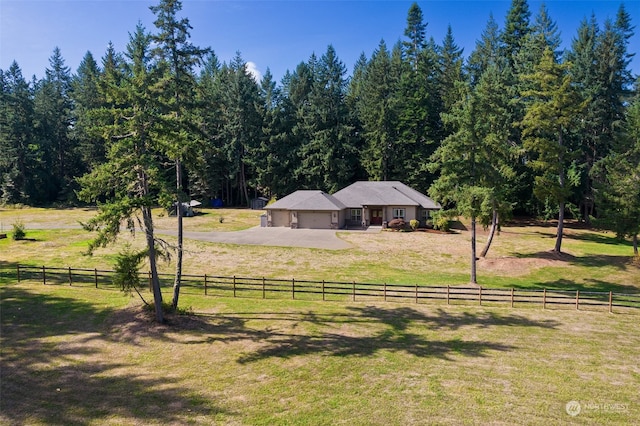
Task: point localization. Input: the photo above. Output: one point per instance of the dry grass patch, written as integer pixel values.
(265, 362)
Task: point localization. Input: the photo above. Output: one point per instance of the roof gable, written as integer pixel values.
(307, 200)
(383, 193)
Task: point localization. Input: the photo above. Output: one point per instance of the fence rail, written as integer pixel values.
(270, 288)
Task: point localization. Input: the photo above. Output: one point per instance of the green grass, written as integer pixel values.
(77, 355)
(86, 356)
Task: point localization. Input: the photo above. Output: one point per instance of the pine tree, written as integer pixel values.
(488, 51)
(415, 32)
(516, 29)
(242, 124)
(450, 72)
(617, 178)
(129, 180)
(17, 156)
(329, 156)
(457, 161)
(178, 57)
(379, 115)
(552, 112)
(86, 97)
(54, 119)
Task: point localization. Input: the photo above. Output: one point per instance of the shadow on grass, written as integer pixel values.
(393, 330)
(55, 369)
(589, 261)
(588, 284)
(600, 239)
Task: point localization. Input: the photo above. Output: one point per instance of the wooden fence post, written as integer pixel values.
(544, 298)
(610, 302)
(577, 299)
(234, 286)
(323, 299)
(18, 266)
(416, 293)
(44, 275)
(205, 284)
(512, 296)
(70, 280)
(480, 295)
(385, 292)
(95, 276)
(447, 294)
(354, 291)
(293, 288)
(264, 289)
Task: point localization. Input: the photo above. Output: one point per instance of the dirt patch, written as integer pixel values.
(517, 266)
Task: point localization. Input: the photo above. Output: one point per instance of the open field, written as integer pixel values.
(519, 257)
(86, 356)
(75, 355)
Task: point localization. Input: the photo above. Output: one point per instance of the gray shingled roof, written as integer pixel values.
(307, 200)
(383, 193)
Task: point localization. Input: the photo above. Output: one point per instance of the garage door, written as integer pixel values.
(280, 218)
(314, 220)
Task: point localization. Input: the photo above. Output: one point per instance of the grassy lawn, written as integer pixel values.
(86, 356)
(74, 355)
(519, 257)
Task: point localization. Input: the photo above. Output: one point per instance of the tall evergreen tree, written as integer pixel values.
(450, 72)
(86, 97)
(516, 29)
(242, 125)
(415, 32)
(488, 51)
(549, 117)
(130, 179)
(18, 153)
(54, 119)
(328, 158)
(379, 115)
(178, 56)
(617, 178)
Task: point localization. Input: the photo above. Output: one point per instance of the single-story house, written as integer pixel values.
(361, 204)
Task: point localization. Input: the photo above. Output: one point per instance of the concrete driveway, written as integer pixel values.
(280, 236)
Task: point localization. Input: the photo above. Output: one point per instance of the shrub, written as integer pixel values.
(127, 269)
(397, 224)
(414, 224)
(441, 222)
(19, 230)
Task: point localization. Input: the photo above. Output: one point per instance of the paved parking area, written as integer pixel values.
(281, 237)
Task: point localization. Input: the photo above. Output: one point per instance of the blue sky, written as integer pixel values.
(274, 34)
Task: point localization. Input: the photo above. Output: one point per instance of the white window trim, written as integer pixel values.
(399, 213)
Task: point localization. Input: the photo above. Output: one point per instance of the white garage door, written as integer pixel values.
(314, 220)
(280, 218)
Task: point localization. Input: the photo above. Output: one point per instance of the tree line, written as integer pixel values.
(518, 125)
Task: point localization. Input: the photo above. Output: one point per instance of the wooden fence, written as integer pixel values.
(269, 288)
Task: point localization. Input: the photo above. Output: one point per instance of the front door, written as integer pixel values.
(376, 217)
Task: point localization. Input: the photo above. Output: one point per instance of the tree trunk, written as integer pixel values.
(178, 277)
(494, 225)
(155, 281)
(635, 244)
(560, 229)
(561, 203)
(473, 250)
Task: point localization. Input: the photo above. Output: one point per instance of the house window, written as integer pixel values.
(398, 213)
(424, 215)
(356, 215)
